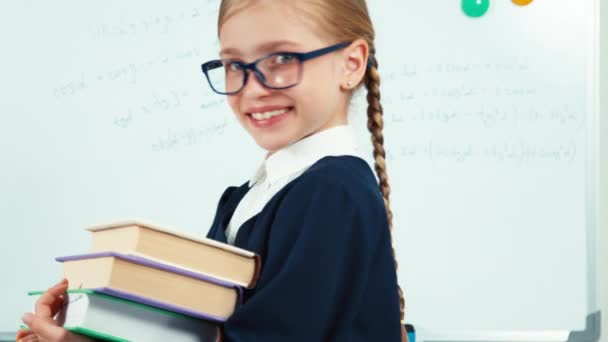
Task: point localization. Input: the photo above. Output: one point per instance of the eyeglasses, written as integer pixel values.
(279, 70)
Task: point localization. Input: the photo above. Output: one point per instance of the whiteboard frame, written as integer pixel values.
(602, 243)
(7, 336)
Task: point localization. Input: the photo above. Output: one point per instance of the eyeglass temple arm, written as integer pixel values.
(314, 54)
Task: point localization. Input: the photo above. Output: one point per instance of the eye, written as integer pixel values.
(284, 59)
(233, 66)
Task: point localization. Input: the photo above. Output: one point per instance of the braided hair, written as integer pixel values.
(375, 124)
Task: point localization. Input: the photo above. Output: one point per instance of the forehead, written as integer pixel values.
(266, 26)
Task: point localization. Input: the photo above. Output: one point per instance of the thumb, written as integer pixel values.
(44, 328)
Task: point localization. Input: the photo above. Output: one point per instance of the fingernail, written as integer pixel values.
(27, 318)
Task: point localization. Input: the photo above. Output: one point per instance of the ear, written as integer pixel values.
(355, 63)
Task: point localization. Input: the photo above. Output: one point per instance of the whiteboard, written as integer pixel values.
(488, 127)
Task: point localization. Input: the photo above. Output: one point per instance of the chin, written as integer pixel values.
(271, 144)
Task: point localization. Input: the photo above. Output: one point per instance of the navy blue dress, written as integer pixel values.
(327, 269)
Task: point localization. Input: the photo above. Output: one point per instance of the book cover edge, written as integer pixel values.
(105, 296)
(95, 334)
(151, 263)
(161, 305)
(171, 231)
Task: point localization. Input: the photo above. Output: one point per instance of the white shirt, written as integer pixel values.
(287, 164)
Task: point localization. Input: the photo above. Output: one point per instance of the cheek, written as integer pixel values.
(313, 101)
(318, 92)
(322, 81)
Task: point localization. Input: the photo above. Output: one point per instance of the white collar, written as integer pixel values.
(335, 141)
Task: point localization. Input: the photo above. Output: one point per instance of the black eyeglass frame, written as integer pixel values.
(301, 57)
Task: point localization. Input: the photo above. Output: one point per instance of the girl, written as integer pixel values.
(313, 210)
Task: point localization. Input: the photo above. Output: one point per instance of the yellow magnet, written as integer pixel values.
(522, 2)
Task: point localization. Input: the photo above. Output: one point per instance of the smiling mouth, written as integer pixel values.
(269, 114)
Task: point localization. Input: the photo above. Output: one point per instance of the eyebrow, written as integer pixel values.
(264, 47)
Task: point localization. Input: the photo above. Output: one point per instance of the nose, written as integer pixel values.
(254, 87)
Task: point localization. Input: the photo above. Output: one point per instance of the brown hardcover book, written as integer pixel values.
(149, 282)
(202, 255)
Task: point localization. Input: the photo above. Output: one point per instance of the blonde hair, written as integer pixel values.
(346, 21)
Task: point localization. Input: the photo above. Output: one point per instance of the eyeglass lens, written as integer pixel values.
(277, 71)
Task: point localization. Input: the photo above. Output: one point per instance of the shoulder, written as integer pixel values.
(336, 201)
(340, 184)
(349, 174)
(337, 165)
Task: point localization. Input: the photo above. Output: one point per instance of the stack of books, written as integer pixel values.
(143, 282)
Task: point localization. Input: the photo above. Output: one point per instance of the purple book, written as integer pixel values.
(160, 266)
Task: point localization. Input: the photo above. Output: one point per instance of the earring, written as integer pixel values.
(349, 84)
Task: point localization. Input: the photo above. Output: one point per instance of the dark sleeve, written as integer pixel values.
(329, 273)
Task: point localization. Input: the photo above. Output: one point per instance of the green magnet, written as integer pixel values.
(475, 8)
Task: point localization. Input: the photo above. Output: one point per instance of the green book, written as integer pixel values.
(109, 318)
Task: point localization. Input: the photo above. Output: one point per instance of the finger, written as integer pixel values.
(51, 301)
(29, 338)
(22, 333)
(45, 329)
(61, 283)
(25, 336)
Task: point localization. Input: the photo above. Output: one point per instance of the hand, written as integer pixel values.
(43, 326)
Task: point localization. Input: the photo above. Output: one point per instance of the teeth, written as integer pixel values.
(268, 115)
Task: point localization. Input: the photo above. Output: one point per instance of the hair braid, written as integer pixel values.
(375, 124)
